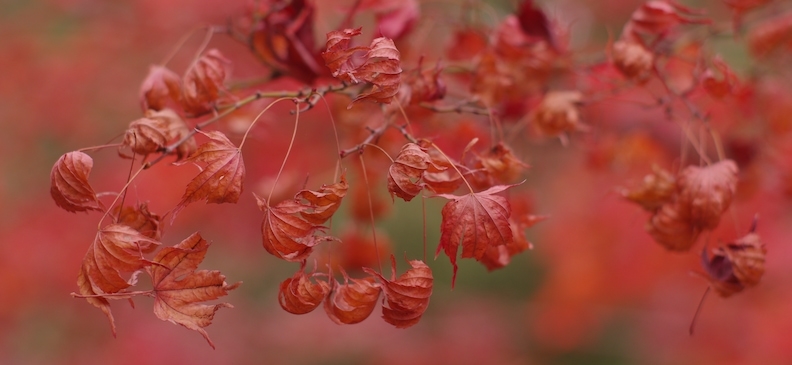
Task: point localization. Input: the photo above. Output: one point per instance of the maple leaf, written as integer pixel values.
(69, 185)
(179, 289)
(380, 65)
(353, 302)
(498, 257)
(203, 82)
(142, 220)
(159, 85)
(175, 129)
(405, 172)
(499, 164)
(322, 204)
(285, 234)
(477, 221)
(116, 248)
(419, 85)
(299, 295)
(406, 297)
(221, 180)
(146, 136)
(558, 113)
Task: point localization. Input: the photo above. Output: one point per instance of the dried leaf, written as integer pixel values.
(477, 221)
(69, 185)
(407, 297)
(203, 82)
(395, 18)
(179, 288)
(501, 165)
(719, 88)
(176, 130)
(145, 136)
(735, 266)
(160, 85)
(534, 22)
(657, 18)
(558, 113)
(116, 249)
(658, 188)
(404, 174)
(353, 302)
(338, 54)
(497, 257)
(142, 220)
(322, 204)
(285, 234)
(668, 228)
(221, 179)
(633, 60)
(419, 86)
(299, 295)
(770, 35)
(704, 193)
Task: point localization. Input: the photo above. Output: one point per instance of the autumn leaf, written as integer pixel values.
(221, 179)
(476, 221)
(558, 113)
(395, 18)
(658, 188)
(500, 165)
(203, 82)
(406, 171)
(286, 234)
(497, 257)
(179, 289)
(736, 265)
(175, 130)
(353, 302)
(116, 249)
(704, 193)
(406, 297)
(69, 185)
(419, 85)
(657, 18)
(299, 295)
(322, 204)
(160, 85)
(142, 220)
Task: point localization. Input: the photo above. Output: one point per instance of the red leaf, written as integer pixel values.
(69, 183)
(658, 188)
(159, 85)
(407, 297)
(477, 221)
(298, 295)
(419, 85)
(558, 113)
(657, 18)
(285, 234)
(221, 179)
(116, 249)
(534, 23)
(142, 220)
(352, 303)
(179, 289)
(203, 82)
(704, 193)
(405, 172)
(394, 17)
(736, 265)
(322, 204)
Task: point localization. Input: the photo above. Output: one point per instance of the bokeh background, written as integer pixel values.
(594, 290)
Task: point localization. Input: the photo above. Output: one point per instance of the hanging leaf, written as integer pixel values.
(142, 220)
(69, 185)
(558, 113)
(299, 295)
(203, 82)
(221, 179)
(322, 204)
(407, 297)
(658, 188)
(736, 265)
(405, 172)
(477, 221)
(353, 302)
(159, 86)
(286, 234)
(704, 193)
(179, 289)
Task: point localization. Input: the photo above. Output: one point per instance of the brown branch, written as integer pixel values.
(459, 108)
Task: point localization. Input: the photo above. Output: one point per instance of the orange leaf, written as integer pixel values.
(141, 220)
(323, 204)
(658, 188)
(179, 289)
(558, 113)
(352, 303)
(221, 180)
(407, 297)
(203, 82)
(69, 183)
(116, 248)
(285, 234)
(159, 85)
(298, 295)
(477, 221)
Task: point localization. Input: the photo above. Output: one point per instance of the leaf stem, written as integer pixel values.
(451, 162)
(288, 151)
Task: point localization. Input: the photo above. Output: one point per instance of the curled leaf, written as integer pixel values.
(146, 136)
(69, 185)
(558, 113)
(176, 130)
(405, 173)
(406, 297)
(160, 85)
(353, 301)
(419, 86)
(142, 220)
(657, 18)
(477, 221)
(179, 289)
(633, 60)
(736, 265)
(221, 179)
(658, 188)
(299, 295)
(670, 229)
(719, 87)
(501, 165)
(203, 82)
(322, 204)
(284, 233)
(704, 193)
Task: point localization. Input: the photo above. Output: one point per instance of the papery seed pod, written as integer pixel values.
(407, 297)
(633, 60)
(672, 231)
(353, 301)
(736, 265)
